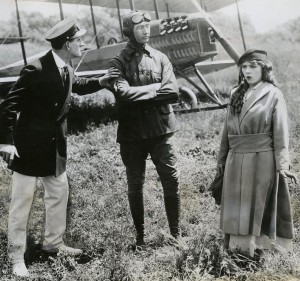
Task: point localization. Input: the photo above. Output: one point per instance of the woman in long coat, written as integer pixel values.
(255, 208)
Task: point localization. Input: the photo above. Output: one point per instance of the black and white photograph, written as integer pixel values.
(149, 140)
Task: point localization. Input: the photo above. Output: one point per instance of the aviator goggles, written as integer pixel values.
(138, 18)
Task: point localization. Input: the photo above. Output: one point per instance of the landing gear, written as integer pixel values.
(187, 98)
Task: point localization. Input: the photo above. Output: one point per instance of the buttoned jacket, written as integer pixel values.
(144, 112)
(34, 116)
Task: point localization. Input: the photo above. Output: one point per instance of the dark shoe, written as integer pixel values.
(50, 252)
(140, 245)
(140, 242)
(174, 230)
(64, 250)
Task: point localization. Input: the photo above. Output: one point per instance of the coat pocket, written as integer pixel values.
(156, 77)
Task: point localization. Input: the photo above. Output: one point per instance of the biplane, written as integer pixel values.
(187, 38)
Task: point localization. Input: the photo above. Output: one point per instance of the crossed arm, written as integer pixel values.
(165, 90)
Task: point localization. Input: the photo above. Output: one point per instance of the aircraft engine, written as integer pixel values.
(186, 40)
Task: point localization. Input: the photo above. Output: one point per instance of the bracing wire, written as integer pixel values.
(9, 32)
(81, 59)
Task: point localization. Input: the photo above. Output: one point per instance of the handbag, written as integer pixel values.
(216, 188)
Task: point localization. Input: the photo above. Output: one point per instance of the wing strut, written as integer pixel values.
(210, 94)
(94, 24)
(119, 16)
(131, 4)
(61, 9)
(167, 8)
(240, 25)
(20, 33)
(209, 89)
(156, 9)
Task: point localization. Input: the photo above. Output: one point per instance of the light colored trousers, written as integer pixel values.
(55, 199)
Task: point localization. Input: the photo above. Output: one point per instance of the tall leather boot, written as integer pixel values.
(172, 205)
(136, 204)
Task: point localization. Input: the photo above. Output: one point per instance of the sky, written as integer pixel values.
(264, 14)
(267, 14)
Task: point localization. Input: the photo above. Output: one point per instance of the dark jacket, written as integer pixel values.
(34, 116)
(143, 112)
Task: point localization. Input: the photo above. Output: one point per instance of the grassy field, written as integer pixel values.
(98, 213)
(100, 223)
(99, 220)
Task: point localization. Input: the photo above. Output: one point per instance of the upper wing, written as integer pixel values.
(175, 6)
(212, 5)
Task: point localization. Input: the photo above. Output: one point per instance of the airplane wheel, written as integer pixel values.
(112, 40)
(187, 98)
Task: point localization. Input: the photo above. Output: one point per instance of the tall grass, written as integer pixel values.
(99, 220)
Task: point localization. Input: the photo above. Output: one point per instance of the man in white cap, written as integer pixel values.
(34, 128)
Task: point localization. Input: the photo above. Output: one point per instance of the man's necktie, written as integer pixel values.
(64, 74)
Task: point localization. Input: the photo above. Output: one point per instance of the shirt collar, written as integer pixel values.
(129, 50)
(256, 86)
(58, 61)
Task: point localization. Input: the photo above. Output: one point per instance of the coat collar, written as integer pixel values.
(68, 97)
(58, 61)
(54, 75)
(257, 93)
(52, 70)
(131, 48)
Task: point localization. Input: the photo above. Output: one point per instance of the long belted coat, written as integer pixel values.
(254, 146)
(34, 116)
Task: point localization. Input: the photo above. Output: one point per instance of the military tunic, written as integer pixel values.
(144, 112)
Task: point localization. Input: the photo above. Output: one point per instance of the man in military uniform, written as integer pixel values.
(144, 91)
(35, 145)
